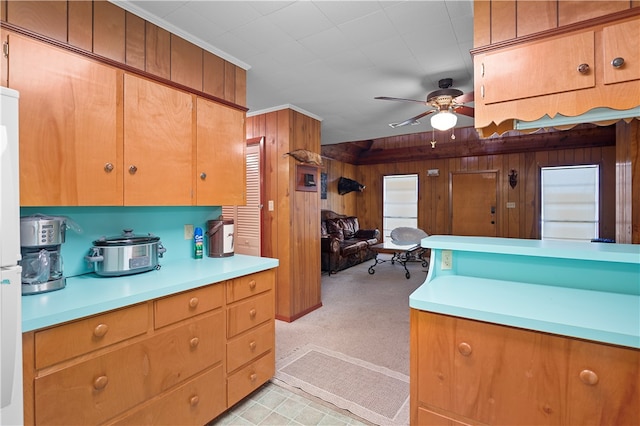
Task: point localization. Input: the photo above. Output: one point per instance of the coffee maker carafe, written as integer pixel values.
(41, 238)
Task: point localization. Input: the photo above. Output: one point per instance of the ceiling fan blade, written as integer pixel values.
(386, 98)
(412, 120)
(464, 110)
(464, 98)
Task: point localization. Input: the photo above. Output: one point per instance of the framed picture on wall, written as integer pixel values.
(323, 186)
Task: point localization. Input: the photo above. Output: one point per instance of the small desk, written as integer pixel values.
(400, 253)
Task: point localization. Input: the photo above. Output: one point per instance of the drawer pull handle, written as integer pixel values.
(100, 330)
(100, 383)
(193, 303)
(133, 170)
(194, 342)
(253, 377)
(252, 284)
(583, 68)
(252, 345)
(194, 400)
(589, 377)
(108, 167)
(617, 62)
(252, 313)
(464, 348)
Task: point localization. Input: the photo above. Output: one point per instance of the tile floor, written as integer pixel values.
(277, 404)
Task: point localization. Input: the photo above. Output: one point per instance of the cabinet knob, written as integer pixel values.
(464, 348)
(253, 377)
(108, 167)
(194, 342)
(194, 400)
(100, 330)
(133, 170)
(193, 303)
(252, 284)
(203, 175)
(252, 313)
(583, 68)
(589, 377)
(100, 383)
(252, 345)
(617, 62)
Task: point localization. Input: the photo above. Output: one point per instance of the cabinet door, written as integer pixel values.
(535, 69)
(220, 154)
(621, 41)
(157, 144)
(68, 127)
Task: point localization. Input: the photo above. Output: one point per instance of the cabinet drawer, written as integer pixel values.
(196, 402)
(188, 304)
(249, 285)
(250, 378)
(249, 313)
(250, 345)
(79, 337)
(112, 383)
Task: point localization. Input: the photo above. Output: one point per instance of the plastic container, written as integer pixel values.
(198, 243)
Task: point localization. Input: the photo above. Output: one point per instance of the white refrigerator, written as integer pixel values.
(11, 402)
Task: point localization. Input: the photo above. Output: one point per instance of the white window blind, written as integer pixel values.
(400, 203)
(569, 202)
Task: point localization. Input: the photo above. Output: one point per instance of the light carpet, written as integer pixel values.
(375, 393)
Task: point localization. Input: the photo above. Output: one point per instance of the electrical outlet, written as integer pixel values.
(270, 205)
(188, 232)
(447, 259)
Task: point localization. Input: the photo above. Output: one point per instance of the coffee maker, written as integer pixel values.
(41, 238)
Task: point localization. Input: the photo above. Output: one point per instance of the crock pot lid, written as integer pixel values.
(127, 238)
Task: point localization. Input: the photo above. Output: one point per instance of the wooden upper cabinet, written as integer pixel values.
(572, 11)
(220, 157)
(158, 51)
(213, 75)
(135, 42)
(81, 24)
(186, 63)
(537, 69)
(621, 44)
(108, 30)
(48, 17)
(158, 138)
(68, 126)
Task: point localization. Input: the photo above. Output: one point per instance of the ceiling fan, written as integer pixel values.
(445, 102)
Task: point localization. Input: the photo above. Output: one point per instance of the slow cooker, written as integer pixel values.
(125, 254)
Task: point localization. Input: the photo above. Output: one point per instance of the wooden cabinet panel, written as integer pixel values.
(81, 24)
(47, 17)
(188, 304)
(64, 152)
(157, 144)
(426, 417)
(536, 69)
(505, 13)
(247, 314)
(244, 348)
(157, 51)
(196, 402)
(135, 41)
(249, 285)
(186, 63)
(213, 75)
(83, 336)
(108, 30)
(572, 11)
(117, 381)
(250, 378)
(621, 41)
(220, 157)
(533, 16)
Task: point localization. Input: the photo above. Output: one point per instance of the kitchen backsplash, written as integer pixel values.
(95, 222)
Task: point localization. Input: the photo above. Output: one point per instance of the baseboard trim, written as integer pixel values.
(298, 315)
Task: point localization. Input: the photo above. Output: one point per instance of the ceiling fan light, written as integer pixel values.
(444, 120)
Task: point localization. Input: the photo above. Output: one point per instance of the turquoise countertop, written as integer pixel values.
(584, 290)
(90, 294)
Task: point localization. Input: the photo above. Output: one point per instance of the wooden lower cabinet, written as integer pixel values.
(471, 372)
(165, 361)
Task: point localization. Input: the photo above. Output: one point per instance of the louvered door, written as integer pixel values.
(246, 218)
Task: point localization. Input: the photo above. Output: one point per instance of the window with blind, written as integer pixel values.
(569, 203)
(400, 203)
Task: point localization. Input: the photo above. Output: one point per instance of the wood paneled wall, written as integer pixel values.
(628, 182)
(343, 204)
(291, 232)
(434, 214)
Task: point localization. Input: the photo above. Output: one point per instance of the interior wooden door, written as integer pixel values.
(474, 203)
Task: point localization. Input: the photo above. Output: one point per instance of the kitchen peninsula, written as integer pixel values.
(182, 343)
(507, 331)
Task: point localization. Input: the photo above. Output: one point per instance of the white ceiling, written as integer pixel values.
(329, 59)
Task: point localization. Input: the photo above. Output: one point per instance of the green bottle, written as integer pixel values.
(197, 243)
